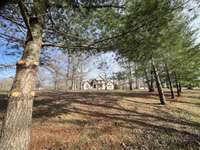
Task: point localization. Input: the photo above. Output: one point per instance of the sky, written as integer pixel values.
(7, 59)
(91, 63)
(107, 57)
(196, 23)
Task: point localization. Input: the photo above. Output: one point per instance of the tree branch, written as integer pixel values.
(138, 27)
(7, 66)
(9, 37)
(25, 16)
(13, 21)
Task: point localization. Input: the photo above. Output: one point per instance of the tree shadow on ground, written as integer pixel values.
(56, 104)
(186, 102)
(105, 106)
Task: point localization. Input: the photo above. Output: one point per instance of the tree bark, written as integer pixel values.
(130, 86)
(130, 80)
(152, 82)
(180, 87)
(177, 85)
(149, 83)
(170, 82)
(137, 84)
(68, 74)
(158, 84)
(15, 133)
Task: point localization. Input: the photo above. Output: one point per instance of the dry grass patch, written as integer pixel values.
(115, 121)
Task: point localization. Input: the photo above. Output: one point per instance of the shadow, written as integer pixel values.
(105, 106)
(125, 122)
(51, 104)
(194, 97)
(3, 105)
(139, 94)
(56, 104)
(179, 110)
(146, 103)
(3, 102)
(77, 122)
(186, 102)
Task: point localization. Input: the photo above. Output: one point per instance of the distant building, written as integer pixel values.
(97, 85)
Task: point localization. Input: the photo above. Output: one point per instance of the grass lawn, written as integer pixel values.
(114, 121)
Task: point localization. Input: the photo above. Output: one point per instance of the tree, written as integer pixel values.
(104, 71)
(170, 82)
(127, 70)
(145, 44)
(136, 33)
(17, 121)
(158, 84)
(15, 134)
(76, 70)
(149, 35)
(149, 78)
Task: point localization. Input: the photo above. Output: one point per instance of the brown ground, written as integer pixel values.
(114, 121)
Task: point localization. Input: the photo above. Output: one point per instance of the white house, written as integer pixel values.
(97, 85)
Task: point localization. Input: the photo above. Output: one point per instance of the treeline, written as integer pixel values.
(159, 39)
(154, 34)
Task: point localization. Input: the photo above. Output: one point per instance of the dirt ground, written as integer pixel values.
(114, 121)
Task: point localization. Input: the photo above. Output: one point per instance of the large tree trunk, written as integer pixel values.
(180, 87)
(158, 84)
(15, 133)
(130, 85)
(152, 82)
(130, 80)
(170, 83)
(177, 85)
(149, 82)
(68, 74)
(137, 84)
